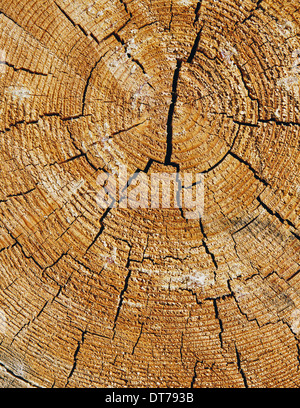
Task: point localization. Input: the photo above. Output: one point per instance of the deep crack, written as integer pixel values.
(171, 114)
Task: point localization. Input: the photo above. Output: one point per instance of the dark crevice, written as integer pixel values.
(195, 374)
(127, 129)
(71, 21)
(28, 323)
(181, 350)
(205, 245)
(235, 246)
(138, 339)
(4, 249)
(61, 287)
(202, 229)
(148, 165)
(82, 153)
(171, 12)
(251, 12)
(17, 24)
(210, 254)
(136, 61)
(225, 155)
(256, 176)
(50, 114)
(197, 12)
(94, 38)
(238, 122)
(293, 276)
(219, 320)
(121, 301)
(35, 122)
(129, 254)
(85, 266)
(118, 38)
(126, 7)
(104, 215)
(238, 306)
(23, 69)
(194, 48)
(179, 190)
(77, 156)
(241, 371)
(194, 294)
(18, 194)
(23, 252)
(20, 122)
(171, 113)
(276, 214)
(245, 226)
(41, 311)
(256, 321)
(88, 82)
(80, 343)
(278, 122)
(18, 333)
(221, 297)
(68, 118)
(17, 376)
(56, 262)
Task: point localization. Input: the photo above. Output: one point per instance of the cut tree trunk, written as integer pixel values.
(123, 297)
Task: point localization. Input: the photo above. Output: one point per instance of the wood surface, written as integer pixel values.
(146, 297)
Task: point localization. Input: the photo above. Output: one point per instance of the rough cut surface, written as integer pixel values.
(147, 298)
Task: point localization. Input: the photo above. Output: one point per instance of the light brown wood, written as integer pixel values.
(147, 298)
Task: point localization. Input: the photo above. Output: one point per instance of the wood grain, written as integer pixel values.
(147, 298)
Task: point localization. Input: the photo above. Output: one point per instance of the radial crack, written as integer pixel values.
(121, 301)
(126, 7)
(71, 21)
(136, 61)
(18, 194)
(104, 215)
(225, 155)
(251, 12)
(194, 375)
(219, 320)
(255, 173)
(171, 113)
(82, 153)
(195, 47)
(23, 252)
(293, 276)
(279, 122)
(275, 213)
(127, 129)
(246, 225)
(88, 82)
(18, 376)
(241, 371)
(197, 12)
(171, 13)
(205, 245)
(24, 69)
(138, 339)
(75, 358)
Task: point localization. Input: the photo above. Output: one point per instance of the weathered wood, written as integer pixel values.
(147, 298)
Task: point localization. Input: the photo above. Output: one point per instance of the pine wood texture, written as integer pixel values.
(147, 298)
